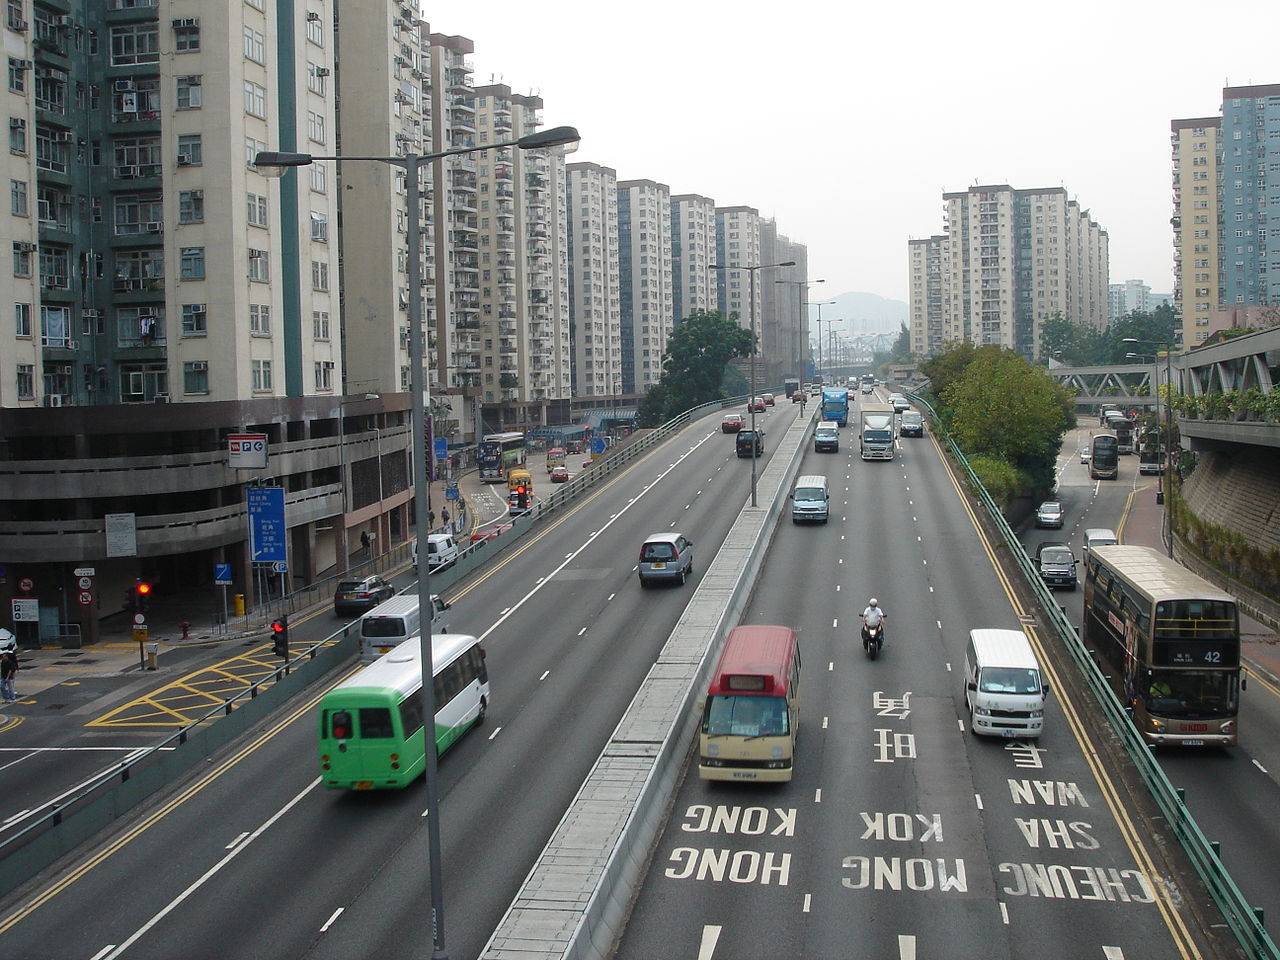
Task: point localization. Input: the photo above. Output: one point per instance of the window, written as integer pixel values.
(137, 213)
(192, 264)
(136, 157)
(137, 270)
(53, 152)
(257, 210)
(315, 78)
(260, 319)
(195, 376)
(18, 137)
(190, 150)
(254, 47)
(315, 127)
(324, 374)
(194, 319)
(18, 74)
(133, 43)
(22, 320)
(319, 227)
(315, 29)
(319, 275)
(319, 177)
(320, 324)
(186, 39)
(26, 381)
(55, 327)
(18, 199)
(259, 266)
(255, 100)
(191, 206)
(189, 93)
(252, 148)
(22, 259)
(261, 375)
(141, 326)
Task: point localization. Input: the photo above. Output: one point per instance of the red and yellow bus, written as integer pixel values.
(752, 710)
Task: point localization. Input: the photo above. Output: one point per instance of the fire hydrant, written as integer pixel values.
(186, 629)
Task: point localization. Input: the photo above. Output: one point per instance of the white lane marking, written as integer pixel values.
(948, 668)
(209, 874)
(525, 599)
(841, 560)
(103, 951)
(842, 536)
(329, 923)
(1004, 913)
(130, 754)
(805, 908)
(568, 555)
(919, 538)
(960, 724)
(939, 623)
(817, 795)
(914, 520)
(236, 841)
(545, 674)
(496, 731)
(837, 588)
(977, 798)
(1112, 953)
(673, 523)
(831, 665)
(931, 589)
(710, 937)
(612, 595)
(824, 723)
(582, 631)
(835, 623)
(18, 816)
(906, 947)
(698, 494)
(1260, 766)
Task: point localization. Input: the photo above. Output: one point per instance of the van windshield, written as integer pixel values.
(746, 717)
(1009, 680)
(809, 493)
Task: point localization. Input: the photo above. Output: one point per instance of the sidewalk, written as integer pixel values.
(1141, 524)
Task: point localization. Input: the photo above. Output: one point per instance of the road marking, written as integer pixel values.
(948, 666)
(977, 798)
(328, 923)
(906, 947)
(103, 951)
(496, 731)
(837, 588)
(236, 841)
(960, 724)
(582, 631)
(1113, 953)
(710, 937)
(817, 794)
(1260, 766)
(831, 665)
(545, 674)
(824, 723)
(807, 898)
(931, 589)
(835, 623)
(212, 871)
(939, 623)
(1004, 912)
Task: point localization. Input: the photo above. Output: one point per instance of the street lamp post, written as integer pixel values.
(1164, 448)
(751, 387)
(273, 163)
(822, 351)
(802, 286)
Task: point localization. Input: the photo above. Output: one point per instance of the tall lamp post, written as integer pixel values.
(755, 437)
(822, 351)
(1167, 458)
(274, 164)
(803, 287)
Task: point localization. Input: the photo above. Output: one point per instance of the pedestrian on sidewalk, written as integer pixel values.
(8, 666)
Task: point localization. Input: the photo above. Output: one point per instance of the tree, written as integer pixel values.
(693, 366)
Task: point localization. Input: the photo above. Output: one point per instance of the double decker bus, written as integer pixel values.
(1122, 427)
(371, 729)
(752, 710)
(499, 453)
(1170, 643)
(1103, 457)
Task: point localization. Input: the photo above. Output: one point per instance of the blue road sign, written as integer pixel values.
(266, 525)
(441, 445)
(222, 574)
(451, 493)
(597, 446)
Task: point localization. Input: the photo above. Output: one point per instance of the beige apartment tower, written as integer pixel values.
(645, 280)
(1196, 231)
(693, 251)
(595, 311)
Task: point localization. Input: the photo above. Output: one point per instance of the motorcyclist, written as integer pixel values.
(873, 616)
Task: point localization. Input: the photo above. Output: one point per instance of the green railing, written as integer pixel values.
(1242, 919)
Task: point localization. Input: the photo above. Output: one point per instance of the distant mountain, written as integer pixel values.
(861, 313)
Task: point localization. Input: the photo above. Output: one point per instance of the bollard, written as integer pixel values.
(238, 601)
(153, 651)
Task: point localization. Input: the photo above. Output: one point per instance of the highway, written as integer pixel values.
(903, 835)
(255, 859)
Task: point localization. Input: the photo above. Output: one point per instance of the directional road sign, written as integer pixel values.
(266, 525)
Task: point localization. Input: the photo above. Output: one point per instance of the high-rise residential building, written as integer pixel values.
(1196, 241)
(693, 251)
(1011, 259)
(737, 245)
(1125, 298)
(594, 289)
(783, 321)
(1249, 186)
(645, 276)
(927, 296)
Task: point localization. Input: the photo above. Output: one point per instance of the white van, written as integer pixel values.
(826, 436)
(441, 549)
(1098, 537)
(810, 500)
(1004, 688)
(393, 622)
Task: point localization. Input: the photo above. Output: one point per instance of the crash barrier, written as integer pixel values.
(1241, 918)
(574, 902)
(73, 819)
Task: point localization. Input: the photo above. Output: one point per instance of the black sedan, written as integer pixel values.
(359, 596)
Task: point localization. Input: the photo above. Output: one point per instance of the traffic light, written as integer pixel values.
(522, 498)
(142, 597)
(280, 637)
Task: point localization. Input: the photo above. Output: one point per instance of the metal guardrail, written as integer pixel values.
(1243, 921)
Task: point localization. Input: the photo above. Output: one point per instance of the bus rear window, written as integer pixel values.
(340, 725)
(375, 723)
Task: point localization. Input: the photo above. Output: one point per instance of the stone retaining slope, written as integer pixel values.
(1238, 491)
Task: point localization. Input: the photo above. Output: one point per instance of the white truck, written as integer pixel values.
(875, 439)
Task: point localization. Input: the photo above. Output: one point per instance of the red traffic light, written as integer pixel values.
(144, 589)
(277, 626)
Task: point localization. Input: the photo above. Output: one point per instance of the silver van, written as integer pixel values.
(826, 436)
(1004, 688)
(1098, 537)
(393, 622)
(810, 500)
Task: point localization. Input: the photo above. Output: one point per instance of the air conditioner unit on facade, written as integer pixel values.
(73, 344)
(186, 22)
(161, 398)
(91, 313)
(153, 226)
(62, 136)
(313, 17)
(53, 399)
(120, 86)
(63, 21)
(322, 71)
(184, 160)
(22, 64)
(127, 172)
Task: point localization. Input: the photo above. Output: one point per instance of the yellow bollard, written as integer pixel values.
(238, 602)
(153, 651)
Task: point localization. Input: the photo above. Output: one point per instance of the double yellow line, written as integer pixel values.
(1173, 920)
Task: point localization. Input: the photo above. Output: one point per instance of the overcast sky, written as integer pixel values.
(847, 121)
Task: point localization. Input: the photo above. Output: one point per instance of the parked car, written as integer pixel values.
(731, 423)
(1049, 514)
(750, 443)
(1057, 565)
(665, 556)
(768, 399)
(359, 595)
(560, 474)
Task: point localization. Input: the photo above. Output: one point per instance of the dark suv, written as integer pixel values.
(750, 443)
(1057, 565)
(357, 596)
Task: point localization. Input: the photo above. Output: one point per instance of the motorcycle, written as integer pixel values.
(873, 638)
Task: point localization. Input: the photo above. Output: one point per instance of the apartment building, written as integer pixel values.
(595, 313)
(784, 316)
(1125, 298)
(1010, 260)
(693, 251)
(647, 313)
(737, 245)
(1196, 240)
(927, 292)
(1249, 185)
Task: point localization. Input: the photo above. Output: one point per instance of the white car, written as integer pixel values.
(1084, 455)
